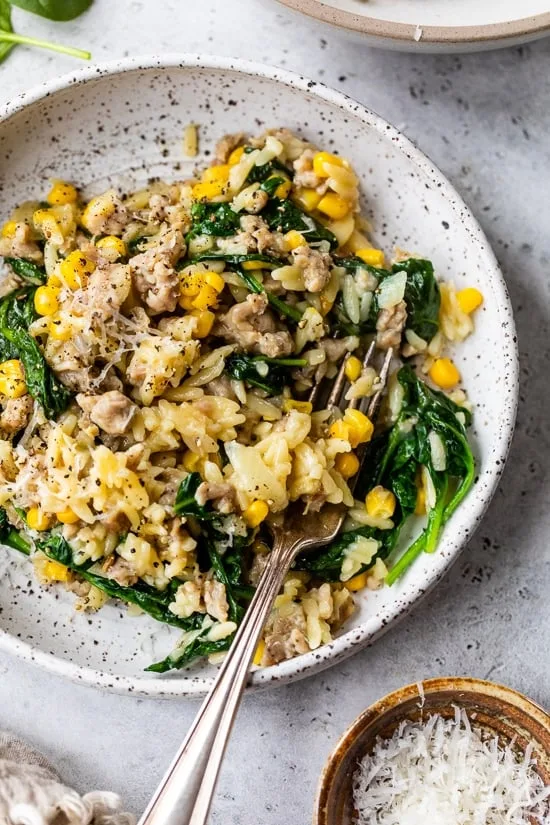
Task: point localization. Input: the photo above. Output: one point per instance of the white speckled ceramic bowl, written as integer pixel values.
(122, 123)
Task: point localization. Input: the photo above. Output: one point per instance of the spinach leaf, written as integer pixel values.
(12, 537)
(57, 10)
(273, 377)
(198, 646)
(290, 312)
(422, 296)
(327, 561)
(260, 174)
(5, 28)
(284, 215)
(16, 313)
(8, 38)
(29, 271)
(352, 263)
(217, 219)
(186, 504)
(237, 260)
(271, 185)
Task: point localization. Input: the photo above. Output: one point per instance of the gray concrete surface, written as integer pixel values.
(484, 119)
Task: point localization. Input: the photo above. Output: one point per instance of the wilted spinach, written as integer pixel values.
(12, 537)
(27, 270)
(217, 219)
(284, 215)
(272, 376)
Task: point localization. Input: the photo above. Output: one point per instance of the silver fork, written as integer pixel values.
(185, 792)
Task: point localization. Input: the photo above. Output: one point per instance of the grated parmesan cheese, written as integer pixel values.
(442, 771)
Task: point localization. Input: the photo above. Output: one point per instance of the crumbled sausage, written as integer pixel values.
(226, 144)
(222, 495)
(215, 600)
(154, 275)
(303, 168)
(252, 326)
(112, 411)
(315, 267)
(287, 638)
(389, 326)
(16, 414)
(256, 236)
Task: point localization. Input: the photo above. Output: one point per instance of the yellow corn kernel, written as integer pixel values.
(235, 155)
(444, 373)
(420, 507)
(12, 379)
(469, 299)
(190, 461)
(360, 427)
(319, 163)
(283, 189)
(192, 283)
(258, 656)
(357, 582)
(255, 513)
(186, 302)
(334, 206)
(308, 199)
(205, 322)
(45, 222)
(216, 174)
(253, 265)
(294, 239)
(67, 516)
(45, 300)
(300, 406)
(207, 191)
(55, 571)
(38, 520)
(61, 193)
(207, 297)
(215, 280)
(353, 368)
(115, 247)
(347, 464)
(380, 503)
(372, 257)
(59, 331)
(75, 269)
(9, 228)
(339, 429)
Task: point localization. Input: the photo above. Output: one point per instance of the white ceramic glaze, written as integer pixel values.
(123, 122)
(432, 25)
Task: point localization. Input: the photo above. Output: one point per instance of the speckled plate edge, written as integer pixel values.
(192, 685)
(405, 34)
(533, 719)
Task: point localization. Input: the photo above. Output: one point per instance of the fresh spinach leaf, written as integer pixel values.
(9, 39)
(284, 215)
(422, 296)
(29, 271)
(5, 28)
(57, 10)
(269, 374)
(12, 537)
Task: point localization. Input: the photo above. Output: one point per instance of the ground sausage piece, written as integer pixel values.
(112, 411)
(154, 275)
(21, 245)
(226, 144)
(286, 639)
(389, 326)
(121, 572)
(222, 494)
(315, 267)
(215, 600)
(257, 236)
(16, 414)
(303, 168)
(252, 326)
(108, 287)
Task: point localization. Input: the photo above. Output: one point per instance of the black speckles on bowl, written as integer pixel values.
(123, 123)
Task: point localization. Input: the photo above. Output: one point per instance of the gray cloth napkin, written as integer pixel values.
(32, 793)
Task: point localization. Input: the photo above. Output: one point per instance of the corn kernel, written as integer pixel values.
(186, 302)
(75, 269)
(113, 246)
(207, 191)
(360, 427)
(190, 461)
(12, 379)
(45, 222)
(258, 656)
(59, 331)
(215, 280)
(469, 299)
(235, 155)
(300, 406)
(420, 507)
(55, 571)
(294, 239)
(380, 503)
(9, 228)
(67, 516)
(283, 189)
(372, 257)
(38, 520)
(334, 206)
(319, 163)
(251, 265)
(353, 368)
(347, 464)
(61, 193)
(255, 513)
(45, 300)
(216, 174)
(192, 283)
(444, 373)
(357, 582)
(207, 297)
(339, 429)
(308, 199)
(205, 322)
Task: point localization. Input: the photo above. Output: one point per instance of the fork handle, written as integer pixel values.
(185, 792)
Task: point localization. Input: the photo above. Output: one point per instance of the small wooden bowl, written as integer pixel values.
(494, 708)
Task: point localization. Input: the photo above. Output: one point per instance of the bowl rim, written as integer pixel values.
(349, 642)
(534, 26)
(527, 708)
